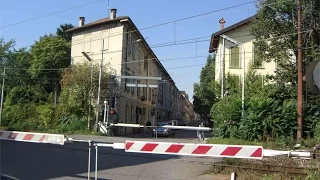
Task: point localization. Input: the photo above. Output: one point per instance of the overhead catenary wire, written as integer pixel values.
(182, 19)
(175, 44)
(141, 60)
(47, 15)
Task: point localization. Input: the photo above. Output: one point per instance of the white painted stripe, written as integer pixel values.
(246, 151)
(137, 146)
(20, 136)
(36, 137)
(162, 147)
(187, 149)
(216, 150)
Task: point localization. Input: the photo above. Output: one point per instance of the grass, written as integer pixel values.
(254, 175)
(280, 144)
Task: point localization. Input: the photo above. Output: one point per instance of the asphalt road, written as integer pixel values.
(31, 161)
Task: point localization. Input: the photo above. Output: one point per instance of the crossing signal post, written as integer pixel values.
(112, 100)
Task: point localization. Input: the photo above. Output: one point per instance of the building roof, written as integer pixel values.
(135, 29)
(215, 37)
(97, 23)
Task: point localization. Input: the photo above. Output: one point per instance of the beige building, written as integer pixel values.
(188, 113)
(126, 51)
(237, 58)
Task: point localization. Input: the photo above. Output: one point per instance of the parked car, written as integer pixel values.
(161, 131)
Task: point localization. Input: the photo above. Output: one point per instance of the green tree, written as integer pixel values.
(49, 56)
(17, 66)
(61, 31)
(78, 90)
(275, 30)
(205, 90)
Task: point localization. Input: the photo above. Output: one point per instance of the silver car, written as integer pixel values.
(161, 131)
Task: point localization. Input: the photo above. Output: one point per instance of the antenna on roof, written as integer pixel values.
(108, 9)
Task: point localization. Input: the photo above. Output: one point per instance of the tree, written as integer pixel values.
(49, 56)
(61, 31)
(77, 89)
(17, 66)
(275, 30)
(204, 92)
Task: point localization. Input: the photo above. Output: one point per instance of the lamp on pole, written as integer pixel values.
(90, 91)
(227, 41)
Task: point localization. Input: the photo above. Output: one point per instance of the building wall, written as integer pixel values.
(90, 41)
(246, 55)
(129, 57)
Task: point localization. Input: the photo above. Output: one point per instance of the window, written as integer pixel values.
(133, 81)
(235, 57)
(126, 115)
(131, 116)
(133, 46)
(138, 88)
(149, 97)
(129, 48)
(144, 92)
(255, 61)
(145, 64)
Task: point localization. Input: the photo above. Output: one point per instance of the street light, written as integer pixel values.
(233, 43)
(90, 93)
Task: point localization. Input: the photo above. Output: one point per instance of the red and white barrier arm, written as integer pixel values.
(32, 137)
(188, 149)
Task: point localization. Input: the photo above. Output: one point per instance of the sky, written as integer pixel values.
(187, 41)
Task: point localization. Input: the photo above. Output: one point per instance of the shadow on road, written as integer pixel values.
(86, 177)
(31, 161)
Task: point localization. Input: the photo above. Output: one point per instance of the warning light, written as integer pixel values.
(112, 111)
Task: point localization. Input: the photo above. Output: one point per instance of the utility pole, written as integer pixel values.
(223, 68)
(2, 92)
(99, 85)
(300, 81)
(110, 106)
(90, 91)
(243, 79)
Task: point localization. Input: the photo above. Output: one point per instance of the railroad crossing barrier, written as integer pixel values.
(168, 148)
(165, 126)
(32, 137)
(105, 127)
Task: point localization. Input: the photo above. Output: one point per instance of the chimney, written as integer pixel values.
(113, 13)
(222, 21)
(81, 21)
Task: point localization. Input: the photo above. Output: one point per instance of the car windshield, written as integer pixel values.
(162, 124)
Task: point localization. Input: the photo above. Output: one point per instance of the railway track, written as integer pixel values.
(267, 168)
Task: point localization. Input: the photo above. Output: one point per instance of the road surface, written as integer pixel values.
(30, 161)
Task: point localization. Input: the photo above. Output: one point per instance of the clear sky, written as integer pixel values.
(144, 13)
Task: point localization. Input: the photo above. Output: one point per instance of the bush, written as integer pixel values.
(264, 118)
(226, 114)
(73, 125)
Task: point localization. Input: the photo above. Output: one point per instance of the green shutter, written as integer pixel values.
(235, 57)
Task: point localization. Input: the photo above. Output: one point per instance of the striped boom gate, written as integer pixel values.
(32, 137)
(213, 150)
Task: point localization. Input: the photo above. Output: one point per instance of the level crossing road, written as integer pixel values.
(21, 160)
